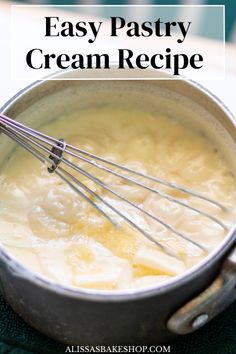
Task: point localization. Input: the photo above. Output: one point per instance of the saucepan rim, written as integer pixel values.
(22, 272)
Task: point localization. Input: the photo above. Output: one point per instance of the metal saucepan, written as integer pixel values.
(150, 315)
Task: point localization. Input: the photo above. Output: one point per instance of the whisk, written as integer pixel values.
(55, 153)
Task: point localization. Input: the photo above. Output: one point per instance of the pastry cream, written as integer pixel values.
(53, 231)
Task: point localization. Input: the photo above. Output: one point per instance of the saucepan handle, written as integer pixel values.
(212, 301)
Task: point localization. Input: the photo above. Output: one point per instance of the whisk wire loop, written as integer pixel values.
(52, 152)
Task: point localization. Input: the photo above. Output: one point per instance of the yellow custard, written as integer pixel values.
(53, 231)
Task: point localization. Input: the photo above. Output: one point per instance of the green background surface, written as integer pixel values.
(218, 337)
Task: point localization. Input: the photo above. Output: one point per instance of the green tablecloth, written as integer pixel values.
(218, 337)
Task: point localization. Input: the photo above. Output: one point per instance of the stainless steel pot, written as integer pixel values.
(145, 316)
